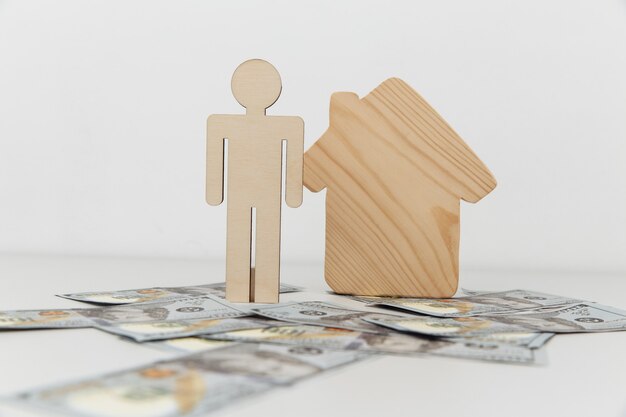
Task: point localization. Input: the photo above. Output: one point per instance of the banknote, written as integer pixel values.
(189, 385)
(142, 295)
(569, 319)
(486, 351)
(319, 313)
(504, 302)
(525, 300)
(219, 289)
(578, 318)
(170, 329)
(43, 319)
(531, 340)
(187, 344)
(449, 327)
(203, 307)
(468, 291)
(392, 343)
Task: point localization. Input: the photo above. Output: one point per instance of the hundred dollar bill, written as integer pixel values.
(189, 385)
(156, 330)
(319, 313)
(203, 307)
(43, 319)
(531, 340)
(467, 291)
(143, 295)
(450, 327)
(569, 319)
(392, 343)
(140, 295)
(503, 302)
(219, 289)
(578, 318)
(187, 344)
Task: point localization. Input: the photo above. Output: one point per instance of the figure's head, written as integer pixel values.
(256, 84)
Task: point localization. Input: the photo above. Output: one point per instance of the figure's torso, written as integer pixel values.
(254, 157)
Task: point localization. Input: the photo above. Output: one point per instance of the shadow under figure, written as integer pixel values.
(255, 158)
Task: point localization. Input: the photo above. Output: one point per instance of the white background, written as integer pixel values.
(103, 106)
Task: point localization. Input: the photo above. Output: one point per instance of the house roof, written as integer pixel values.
(410, 118)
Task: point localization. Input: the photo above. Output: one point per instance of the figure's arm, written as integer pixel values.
(295, 150)
(215, 160)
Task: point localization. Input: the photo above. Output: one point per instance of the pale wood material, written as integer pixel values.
(255, 157)
(395, 173)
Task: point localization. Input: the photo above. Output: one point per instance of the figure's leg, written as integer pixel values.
(267, 268)
(238, 244)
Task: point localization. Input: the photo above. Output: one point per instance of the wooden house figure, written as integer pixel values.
(395, 173)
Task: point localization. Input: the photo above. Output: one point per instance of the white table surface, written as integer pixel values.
(585, 374)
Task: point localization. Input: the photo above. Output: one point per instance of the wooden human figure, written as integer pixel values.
(255, 158)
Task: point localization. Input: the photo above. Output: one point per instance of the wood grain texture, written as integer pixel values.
(395, 173)
(255, 157)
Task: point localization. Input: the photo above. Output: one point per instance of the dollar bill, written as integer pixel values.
(143, 295)
(203, 307)
(468, 291)
(569, 319)
(219, 289)
(486, 351)
(156, 330)
(578, 318)
(450, 327)
(43, 319)
(189, 385)
(187, 344)
(531, 340)
(504, 302)
(319, 313)
(393, 343)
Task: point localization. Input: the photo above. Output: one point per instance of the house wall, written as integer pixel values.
(102, 110)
